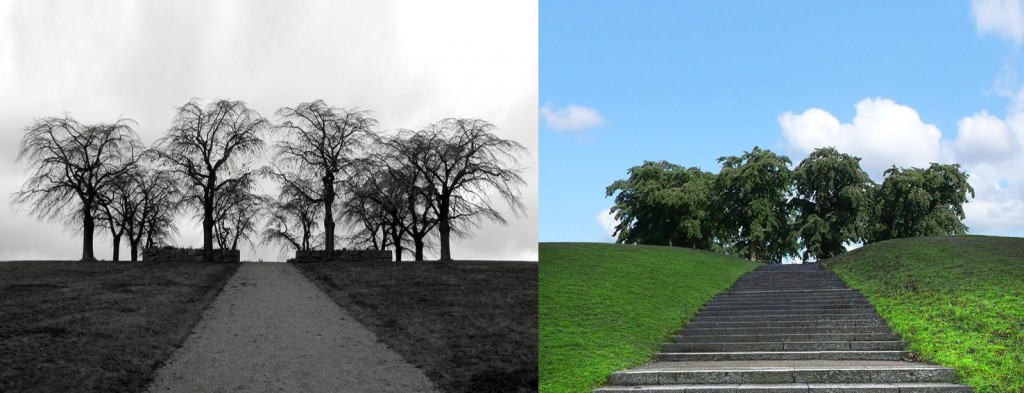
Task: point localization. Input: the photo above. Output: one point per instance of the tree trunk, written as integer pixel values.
(208, 220)
(396, 237)
(134, 250)
(753, 253)
(117, 247)
(444, 230)
(88, 226)
(418, 245)
(329, 215)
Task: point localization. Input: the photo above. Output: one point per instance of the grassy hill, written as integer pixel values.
(958, 301)
(97, 326)
(606, 307)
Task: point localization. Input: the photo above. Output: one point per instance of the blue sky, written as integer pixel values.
(903, 83)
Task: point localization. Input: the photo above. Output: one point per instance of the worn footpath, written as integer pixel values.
(271, 330)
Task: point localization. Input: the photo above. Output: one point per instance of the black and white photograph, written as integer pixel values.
(268, 196)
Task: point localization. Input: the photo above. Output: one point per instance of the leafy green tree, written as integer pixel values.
(752, 201)
(831, 202)
(921, 202)
(664, 204)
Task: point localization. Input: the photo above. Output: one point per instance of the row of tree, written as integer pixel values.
(409, 187)
(757, 207)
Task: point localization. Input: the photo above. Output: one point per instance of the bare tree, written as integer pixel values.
(208, 148)
(463, 163)
(150, 209)
(73, 162)
(292, 221)
(322, 140)
(378, 202)
(236, 211)
(414, 196)
(117, 208)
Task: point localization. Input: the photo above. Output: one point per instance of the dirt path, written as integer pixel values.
(271, 330)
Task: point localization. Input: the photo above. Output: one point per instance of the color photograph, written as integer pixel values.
(784, 196)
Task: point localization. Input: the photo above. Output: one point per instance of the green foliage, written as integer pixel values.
(831, 202)
(957, 300)
(921, 202)
(605, 307)
(746, 208)
(754, 210)
(664, 204)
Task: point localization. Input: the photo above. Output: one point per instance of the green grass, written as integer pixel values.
(471, 326)
(606, 307)
(958, 301)
(99, 326)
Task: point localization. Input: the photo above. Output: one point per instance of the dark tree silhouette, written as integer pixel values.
(236, 211)
(117, 208)
(150, 208)
(292, 220)
(416, 197)
(378, 198)
(208, 149)
(321, 140)
(72, 162)
(463, 163)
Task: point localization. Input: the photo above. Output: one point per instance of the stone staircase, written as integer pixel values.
(786, 328)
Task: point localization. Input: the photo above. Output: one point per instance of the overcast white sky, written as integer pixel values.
(411, 62)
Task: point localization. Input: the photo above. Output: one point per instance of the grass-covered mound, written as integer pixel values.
(471, 326)
(97, 326)
(606, 307)
(958, 301)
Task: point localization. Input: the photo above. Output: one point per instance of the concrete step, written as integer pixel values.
(752, 302)
(662, 373)
(815, 311)
(782, 317)
(792, 292)
(701, 331)
(783, 307)
(781, 355)
(783, 324)
(725, 338)
(786, 296)
(903, 387)
(792, 346)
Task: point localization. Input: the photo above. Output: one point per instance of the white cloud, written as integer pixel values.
(607, 222)
(1003, 18)
(570, 118)
(882, 133)
(983, 137)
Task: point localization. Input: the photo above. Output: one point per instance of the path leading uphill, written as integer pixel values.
(786, 328)
(271, 330)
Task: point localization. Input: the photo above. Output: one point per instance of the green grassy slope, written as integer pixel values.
(605, 307)
(958, 301)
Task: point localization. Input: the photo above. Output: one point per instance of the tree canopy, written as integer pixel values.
(73, 168)
(759, 208)
(921, 202)
(664, 204)
(832, 195)
(752, 193)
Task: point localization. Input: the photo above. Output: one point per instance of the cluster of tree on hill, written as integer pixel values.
(759, 208)
(331, 163)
